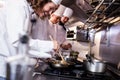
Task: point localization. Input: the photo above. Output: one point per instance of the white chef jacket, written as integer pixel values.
(18, 20)
(5, 47)
(57, 32)
(13, 20)
(40, 29)
(46, 28)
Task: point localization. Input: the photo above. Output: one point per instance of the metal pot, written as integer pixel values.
(96, 66)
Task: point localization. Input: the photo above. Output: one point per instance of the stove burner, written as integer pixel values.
(79, 73)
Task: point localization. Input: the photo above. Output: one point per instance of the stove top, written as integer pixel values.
(79, 72)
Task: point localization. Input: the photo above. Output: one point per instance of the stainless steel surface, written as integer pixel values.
(19, 68)
(82, 34)
(97, 66)
(111, 52)
(58, 64)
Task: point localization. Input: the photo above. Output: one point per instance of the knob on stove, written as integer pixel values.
(78, 73)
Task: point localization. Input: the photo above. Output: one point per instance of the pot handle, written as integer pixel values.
(89, 58)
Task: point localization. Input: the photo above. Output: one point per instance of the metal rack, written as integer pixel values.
(103, 12)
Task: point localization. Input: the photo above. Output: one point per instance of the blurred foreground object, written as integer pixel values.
(20, 66)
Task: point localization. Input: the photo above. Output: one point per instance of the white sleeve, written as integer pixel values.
(37, 54)
(40, 45)
(16, 17)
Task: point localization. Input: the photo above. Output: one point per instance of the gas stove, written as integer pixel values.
(78, 72)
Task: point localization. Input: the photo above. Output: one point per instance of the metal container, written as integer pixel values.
(96, 66)
(19, 67)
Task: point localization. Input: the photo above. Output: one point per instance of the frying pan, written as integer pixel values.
(59, 64)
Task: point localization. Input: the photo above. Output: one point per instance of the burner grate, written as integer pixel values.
(78, 74)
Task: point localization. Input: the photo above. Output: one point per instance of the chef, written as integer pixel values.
(56, 16)
(14, 19)
(54, 29)
(4, 50)
(43, 30)
(20, 12)
(64, 19)
(66, 16)
(60, 32)
(47, 9)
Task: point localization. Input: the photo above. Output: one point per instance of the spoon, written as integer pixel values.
(63, 60)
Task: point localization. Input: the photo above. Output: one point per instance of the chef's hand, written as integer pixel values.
(56, 45)
(66, 46)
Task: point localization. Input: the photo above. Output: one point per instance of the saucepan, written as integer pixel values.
(96, 65)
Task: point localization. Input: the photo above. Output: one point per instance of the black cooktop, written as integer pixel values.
(78, 72)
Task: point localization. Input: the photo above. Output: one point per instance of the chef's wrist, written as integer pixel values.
(56, 45)
(66, 46)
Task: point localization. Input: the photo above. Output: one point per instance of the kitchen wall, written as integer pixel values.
(107, 44)
(81, 47)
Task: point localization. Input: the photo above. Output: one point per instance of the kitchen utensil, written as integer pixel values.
(19, 68)
(59, 64)
(89, 58)
(51, 38)
(62, 61)
(96, 66)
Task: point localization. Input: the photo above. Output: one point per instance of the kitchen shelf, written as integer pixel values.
(103, 11)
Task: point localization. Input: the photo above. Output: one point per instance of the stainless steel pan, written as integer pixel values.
(60, 64)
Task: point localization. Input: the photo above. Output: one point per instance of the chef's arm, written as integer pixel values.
(40, 45)
(39, 48)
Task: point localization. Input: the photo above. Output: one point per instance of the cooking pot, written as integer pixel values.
(96, 66)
